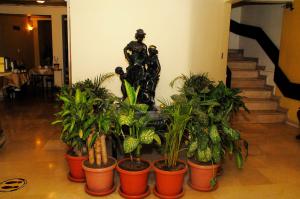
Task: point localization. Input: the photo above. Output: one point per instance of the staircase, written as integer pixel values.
(257, 95)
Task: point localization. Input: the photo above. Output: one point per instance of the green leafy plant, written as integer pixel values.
(210, 133)
(97, 89)
(132, 124)
(103, 119)
(96, 140)
(86, 117)
(178, 115)
(76, 117)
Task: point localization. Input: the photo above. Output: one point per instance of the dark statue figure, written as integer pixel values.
(143, 69)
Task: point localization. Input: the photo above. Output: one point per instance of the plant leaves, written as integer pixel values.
(56, 122)
(157, 139)
(64, 99)
(214, 134)
(130, 93)
(80, 133)
(141, 107)
(77, 96)
(192, 148)
(146, 136)
(213, 182)
(126, 119)
(216, 153)
(239, 160)
(130, 144)
(204, 155)
(231, 133)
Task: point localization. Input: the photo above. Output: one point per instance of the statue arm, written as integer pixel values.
(127, 55)
(158, 66)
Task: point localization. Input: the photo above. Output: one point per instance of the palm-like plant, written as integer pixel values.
(134, 117)
(178, 115)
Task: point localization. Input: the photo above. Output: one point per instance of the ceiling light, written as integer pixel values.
(40, 1)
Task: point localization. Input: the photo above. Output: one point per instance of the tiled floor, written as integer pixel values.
(34, 152)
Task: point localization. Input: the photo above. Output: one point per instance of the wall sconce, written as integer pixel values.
(29, 25)
(40, 1)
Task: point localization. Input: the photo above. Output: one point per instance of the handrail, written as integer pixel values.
(228, 77)
(287, 88)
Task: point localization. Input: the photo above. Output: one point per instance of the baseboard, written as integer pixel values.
(293, 124)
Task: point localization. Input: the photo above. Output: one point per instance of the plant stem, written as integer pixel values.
(90, 150)
(98, 151)
(103, 149)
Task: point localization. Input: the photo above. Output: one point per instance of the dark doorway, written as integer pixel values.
(45, 42)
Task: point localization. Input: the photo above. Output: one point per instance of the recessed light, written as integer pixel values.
(40, 1)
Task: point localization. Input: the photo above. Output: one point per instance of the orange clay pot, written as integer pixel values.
(76, 172)
(169, 183)
(99, 181)
(134, 184)
(201, 175)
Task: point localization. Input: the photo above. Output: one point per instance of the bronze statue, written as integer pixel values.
(143, 69)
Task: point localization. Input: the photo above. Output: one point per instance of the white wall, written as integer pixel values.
(190, 35)
(269, 18)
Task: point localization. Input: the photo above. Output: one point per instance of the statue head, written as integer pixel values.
(119, 71)
(140, 35)
(152, 50)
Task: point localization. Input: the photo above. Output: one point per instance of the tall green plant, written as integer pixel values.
(133, 116)
(76, 117)
(178, 115)
(103, 113)
(210, 133)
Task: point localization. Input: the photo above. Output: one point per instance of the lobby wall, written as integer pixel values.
(14, 43)
(290, 56)
(190, 35)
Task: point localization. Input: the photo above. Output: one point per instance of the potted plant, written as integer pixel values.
(210, 134)
(170, 171)
(99, 168)
(75, 118)
(132, 120)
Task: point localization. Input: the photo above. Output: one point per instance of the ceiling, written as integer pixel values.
(33, 2)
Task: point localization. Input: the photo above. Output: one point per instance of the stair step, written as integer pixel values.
(261, 93)
(242, 64)
(245, 73)
(235, 53)
(248, 83)
(261, 104)
(262, 117)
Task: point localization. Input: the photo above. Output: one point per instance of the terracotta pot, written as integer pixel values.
(169, 183)
(99, 181)
(201, 175)
(134, 183)
(76, 172)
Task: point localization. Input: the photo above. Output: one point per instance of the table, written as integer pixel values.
(42, 75)
(17, 80)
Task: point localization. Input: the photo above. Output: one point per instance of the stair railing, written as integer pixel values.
(287, 88)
